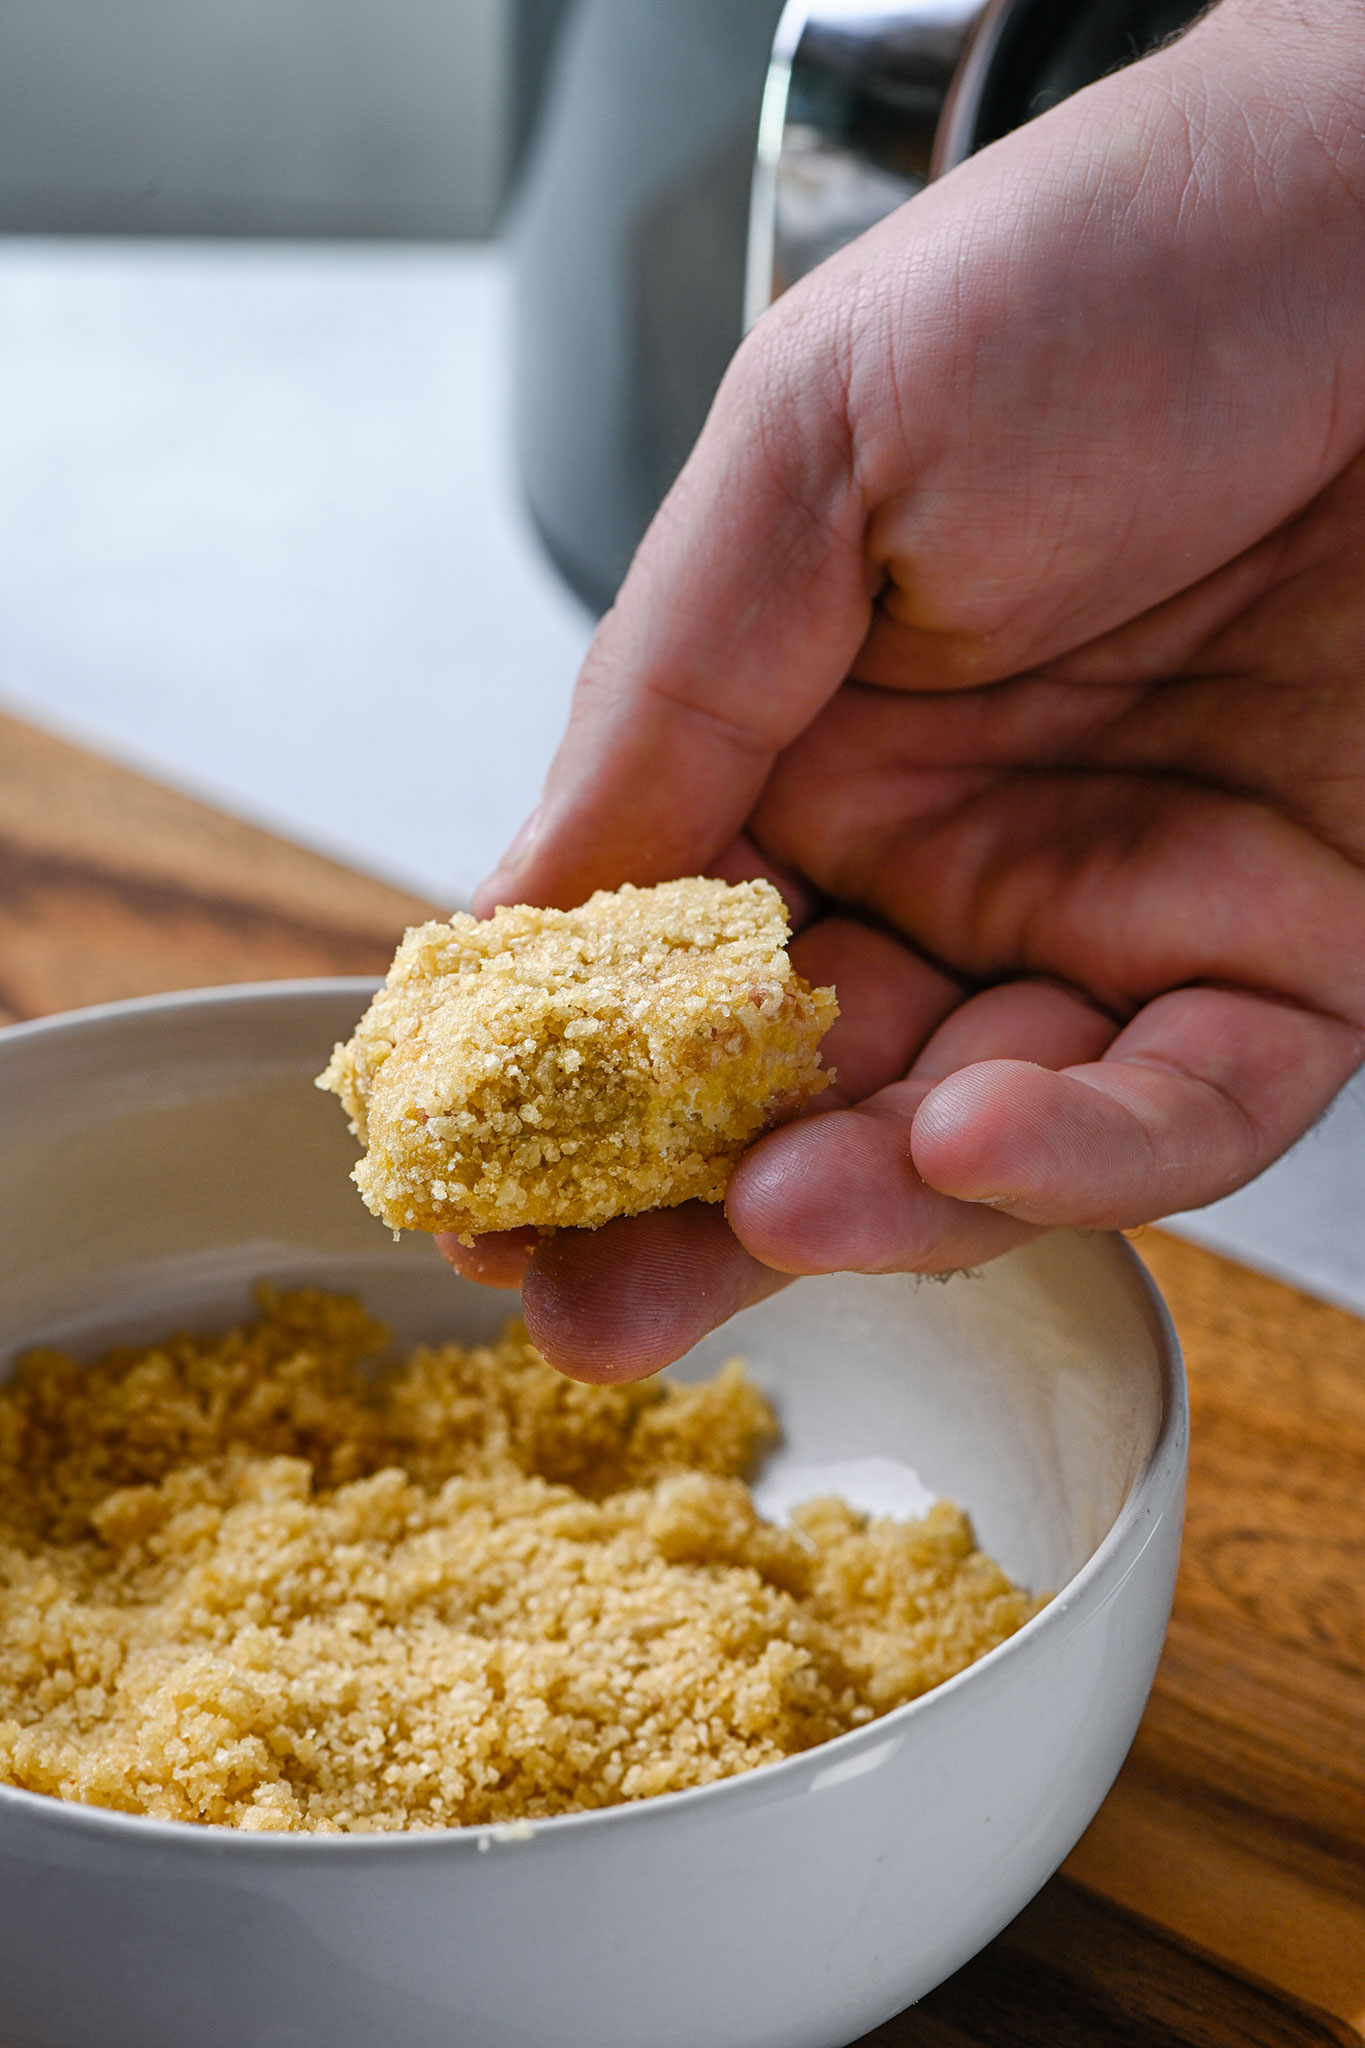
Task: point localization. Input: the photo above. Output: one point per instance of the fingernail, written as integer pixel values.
(494, 889)
(521, 842)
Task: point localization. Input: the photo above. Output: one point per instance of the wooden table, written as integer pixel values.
(1218, 1900)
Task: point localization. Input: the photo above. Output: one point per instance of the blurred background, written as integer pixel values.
(344, 352)
(259, 528)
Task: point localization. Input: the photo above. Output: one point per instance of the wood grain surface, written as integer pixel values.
(111, 885)
(1074, 1971)
(1218, 1900)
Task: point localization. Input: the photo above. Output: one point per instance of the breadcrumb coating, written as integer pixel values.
(560, 1067)
(241, 1582)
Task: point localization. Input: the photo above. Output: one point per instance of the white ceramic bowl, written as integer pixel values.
(159, 1157)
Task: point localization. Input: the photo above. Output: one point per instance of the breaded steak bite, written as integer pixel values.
(561, 1067)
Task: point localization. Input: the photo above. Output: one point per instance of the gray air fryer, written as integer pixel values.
(693, 159)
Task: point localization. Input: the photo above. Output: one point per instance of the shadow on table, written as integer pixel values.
(1074, 1971)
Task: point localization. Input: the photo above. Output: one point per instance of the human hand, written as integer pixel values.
(1010, 614)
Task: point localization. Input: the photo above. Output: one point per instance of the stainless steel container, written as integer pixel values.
(695, 158)
(867, 100)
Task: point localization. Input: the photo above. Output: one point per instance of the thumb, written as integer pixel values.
(741, 614)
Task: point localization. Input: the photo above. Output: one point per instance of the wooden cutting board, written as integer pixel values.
(1218, 1900)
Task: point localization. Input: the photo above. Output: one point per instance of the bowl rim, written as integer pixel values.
(1154, 1492)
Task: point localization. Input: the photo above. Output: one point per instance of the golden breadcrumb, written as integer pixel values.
(561, 1067)
(240, 1582)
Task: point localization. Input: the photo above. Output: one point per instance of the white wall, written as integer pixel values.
(260, 532)
(305, 117)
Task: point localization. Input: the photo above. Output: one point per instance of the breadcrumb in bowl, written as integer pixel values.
(559, 1068)
(160, 1153)
(240, 1582)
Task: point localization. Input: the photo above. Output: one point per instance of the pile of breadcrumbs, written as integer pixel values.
(242, 1582)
